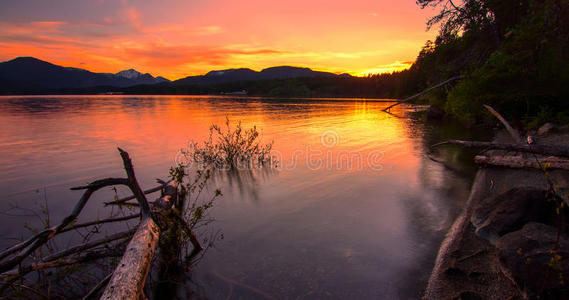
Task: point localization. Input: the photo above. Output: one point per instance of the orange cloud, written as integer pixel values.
(175, 38)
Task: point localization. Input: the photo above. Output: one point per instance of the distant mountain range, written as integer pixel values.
(243, 74)
(28, 73)
(31, 74)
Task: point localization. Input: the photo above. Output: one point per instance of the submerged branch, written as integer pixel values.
(536, 149)
(522, 162)
(89, 245)
(87, 257)
(103, 221)
(98, 287)
(28, 246)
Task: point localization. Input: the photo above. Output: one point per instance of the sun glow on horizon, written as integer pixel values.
(176, 39)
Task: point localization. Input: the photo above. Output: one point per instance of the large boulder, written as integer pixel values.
(536, 261)
(510, 211)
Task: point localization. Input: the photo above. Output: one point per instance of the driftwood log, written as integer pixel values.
(14, 255)
(129, 278)
(556, 156)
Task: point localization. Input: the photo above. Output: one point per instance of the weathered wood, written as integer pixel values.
(513, 133)
(133, 184)
(523, 162)
(28, 246)
(537, 149)
(423, 92)
(130, 275)
(80, 258)
(168, 197)
(129, 278)
(88, 245)
(146, 192)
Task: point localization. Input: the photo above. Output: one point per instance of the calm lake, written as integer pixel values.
(355, 209)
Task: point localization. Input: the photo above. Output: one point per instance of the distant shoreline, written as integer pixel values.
(386, 100)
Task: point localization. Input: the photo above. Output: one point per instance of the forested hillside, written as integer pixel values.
(513, 55)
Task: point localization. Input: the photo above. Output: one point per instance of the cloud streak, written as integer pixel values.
(178, 38)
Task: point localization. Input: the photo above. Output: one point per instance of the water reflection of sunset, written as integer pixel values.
(339, 209)
(155, 128)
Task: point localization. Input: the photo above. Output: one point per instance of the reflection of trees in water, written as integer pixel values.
(443, 189)
(137, 103)
(424, 133)
(39, 105)
(245, 182)
(75, 104)
(447, 179)
(177, 281)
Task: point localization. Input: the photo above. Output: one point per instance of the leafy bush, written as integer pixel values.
(228, 148)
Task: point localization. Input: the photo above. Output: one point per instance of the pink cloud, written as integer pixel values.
(132, 15)
(161, 55)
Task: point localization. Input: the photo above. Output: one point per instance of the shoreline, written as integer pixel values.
(498, 248)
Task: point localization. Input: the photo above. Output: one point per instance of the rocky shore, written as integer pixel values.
(511, 241)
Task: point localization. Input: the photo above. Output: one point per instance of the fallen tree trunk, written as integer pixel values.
(513, 133)
(523, 162)
(422, 93)
(536, 149)
(129, 277)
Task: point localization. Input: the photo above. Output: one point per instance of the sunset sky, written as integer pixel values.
(177, 38)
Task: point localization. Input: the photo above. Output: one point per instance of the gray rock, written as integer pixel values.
(526, 257)
(509, 211)
(546, 129)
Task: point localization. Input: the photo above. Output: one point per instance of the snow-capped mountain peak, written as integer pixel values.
(130, 74)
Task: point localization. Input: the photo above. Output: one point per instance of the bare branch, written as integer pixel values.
(39, 239)
(16, 285)
(186, 227)
(149, 191)
(89, 245)
(98, 287)
(97, 222)
(95, 185)
(513, 133)
(86, 257)
(423, 92)
(537, 149)
(133, 184)
(521, 162)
